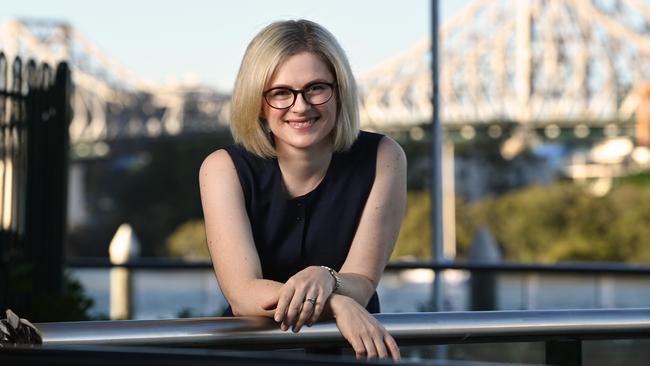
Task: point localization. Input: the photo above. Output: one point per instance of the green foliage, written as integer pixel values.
(559, 222)
(530, 223)
(32, 302)
(414, 240)
(640, 179)
(189, 241)
(466, 226)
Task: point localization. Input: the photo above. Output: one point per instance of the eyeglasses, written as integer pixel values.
(284, 98)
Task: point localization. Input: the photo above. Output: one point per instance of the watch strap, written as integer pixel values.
(335, 276)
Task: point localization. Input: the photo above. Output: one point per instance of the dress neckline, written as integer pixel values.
(310, 193)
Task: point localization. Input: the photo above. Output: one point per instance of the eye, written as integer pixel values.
(280, 93)
(317, 88)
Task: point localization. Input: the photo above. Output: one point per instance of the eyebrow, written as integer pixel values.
(315, 81)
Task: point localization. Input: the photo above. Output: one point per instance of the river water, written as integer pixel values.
(161, 294)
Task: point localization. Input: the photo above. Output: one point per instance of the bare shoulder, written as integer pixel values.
(217, 160)
(217, 163)
(390, 154)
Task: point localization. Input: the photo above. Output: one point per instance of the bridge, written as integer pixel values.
(542, 66)
(109, 102)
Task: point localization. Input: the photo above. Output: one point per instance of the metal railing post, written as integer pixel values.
(437, 254)
(123, 249)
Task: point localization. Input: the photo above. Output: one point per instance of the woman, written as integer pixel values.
(303, 213)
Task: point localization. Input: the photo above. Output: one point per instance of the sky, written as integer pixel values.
(204, 40)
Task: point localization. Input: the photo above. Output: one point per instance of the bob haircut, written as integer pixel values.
(270, 47)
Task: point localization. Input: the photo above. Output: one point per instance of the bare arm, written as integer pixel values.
(230, 238)
(379, 225)
(371, 248)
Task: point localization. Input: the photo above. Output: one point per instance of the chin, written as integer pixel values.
(304, 141)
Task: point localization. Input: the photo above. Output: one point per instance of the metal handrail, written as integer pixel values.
(406, 328)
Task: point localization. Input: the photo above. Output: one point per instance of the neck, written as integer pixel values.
(303, 169)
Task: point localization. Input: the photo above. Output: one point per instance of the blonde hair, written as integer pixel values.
(272, 46)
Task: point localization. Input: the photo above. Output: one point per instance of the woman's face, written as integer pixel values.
(302, 125)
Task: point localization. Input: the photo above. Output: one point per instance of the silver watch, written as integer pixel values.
(335, 276)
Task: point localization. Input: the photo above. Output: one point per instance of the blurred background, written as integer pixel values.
(545, 122)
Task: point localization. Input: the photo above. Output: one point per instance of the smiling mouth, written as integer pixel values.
(303, 123)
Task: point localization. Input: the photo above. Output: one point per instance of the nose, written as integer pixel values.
(300, 104)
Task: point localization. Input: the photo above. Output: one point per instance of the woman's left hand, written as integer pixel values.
(302, 298)
(365, 334)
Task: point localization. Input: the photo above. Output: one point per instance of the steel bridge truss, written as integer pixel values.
(535, 63)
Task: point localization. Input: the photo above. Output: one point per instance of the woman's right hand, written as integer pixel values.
(302, 298)
(365, 334)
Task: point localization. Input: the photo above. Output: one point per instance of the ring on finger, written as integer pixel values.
(312, 301)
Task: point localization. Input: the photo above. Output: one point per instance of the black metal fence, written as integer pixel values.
(34, 117)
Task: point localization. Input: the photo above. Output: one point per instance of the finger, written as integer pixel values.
(357, 346)
(369, 345)
(306, 312)
(393, 349)
(271, 303)
(286, 293)
(318, 307)
(380, 347)
(294, 307)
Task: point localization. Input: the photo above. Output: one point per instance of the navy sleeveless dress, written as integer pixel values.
(292, 233)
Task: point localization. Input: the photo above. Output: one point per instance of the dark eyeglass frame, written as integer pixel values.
(301, 92)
